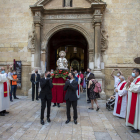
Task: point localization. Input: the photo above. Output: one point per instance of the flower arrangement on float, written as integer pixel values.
(60, 74)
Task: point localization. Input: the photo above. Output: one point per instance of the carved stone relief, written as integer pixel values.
(31, 40)
(97, 12)
(104, 40)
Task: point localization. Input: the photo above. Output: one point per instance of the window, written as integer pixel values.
(67, 3)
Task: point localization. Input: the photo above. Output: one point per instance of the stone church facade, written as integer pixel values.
(107, 31)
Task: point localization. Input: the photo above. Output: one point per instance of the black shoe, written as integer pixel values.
(37, 99)
(32, 99)
(75, 121)
(58, 105)
(54, 105)
(42, 122)
(48, 120)
(97, 109)
(5, 112)
(16, 98)
(135, 131)
(11, 100)
(67, 121)
(91, 108)
(89, 102)
(2, 114)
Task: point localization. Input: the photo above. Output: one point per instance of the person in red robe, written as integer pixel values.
(133, 105)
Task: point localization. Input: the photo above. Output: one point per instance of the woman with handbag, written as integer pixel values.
(93, 95)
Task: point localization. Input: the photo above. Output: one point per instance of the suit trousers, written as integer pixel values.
(43, 106)
(68, 106)
(88, 91)
(33, 92)
(13, 90)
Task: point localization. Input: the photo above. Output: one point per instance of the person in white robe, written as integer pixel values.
(121, 99)
(133, 106)
(4, 95)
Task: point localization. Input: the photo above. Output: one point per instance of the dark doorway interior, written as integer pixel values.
(74, 44)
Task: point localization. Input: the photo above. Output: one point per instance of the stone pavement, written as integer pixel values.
(23, 123)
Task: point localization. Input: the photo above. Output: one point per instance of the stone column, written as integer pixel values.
(37, 55)
(97, 31)
(91, 58)
(37, 23)
(97, 19)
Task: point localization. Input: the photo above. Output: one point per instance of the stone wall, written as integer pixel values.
(15, 23)
(122, 23)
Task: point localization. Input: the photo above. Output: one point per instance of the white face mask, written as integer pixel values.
(118, 74)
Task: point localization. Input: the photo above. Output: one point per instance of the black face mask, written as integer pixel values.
(48, 75)
(87, 72)
(36, 72)
(69, 77)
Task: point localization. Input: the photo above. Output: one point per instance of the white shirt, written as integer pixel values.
(116, 81)
(71, 81)
(88, 75)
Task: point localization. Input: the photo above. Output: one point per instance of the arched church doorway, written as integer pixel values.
(74, 44)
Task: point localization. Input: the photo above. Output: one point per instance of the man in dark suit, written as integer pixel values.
(35, 79)
(46, 96)
(71, 97)
(87, 81)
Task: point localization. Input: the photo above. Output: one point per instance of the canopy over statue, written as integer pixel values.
(62, 62)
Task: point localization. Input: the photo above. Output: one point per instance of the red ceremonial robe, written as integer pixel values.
(5, 89)
(133, 105)
(58, 94)
(119, 103)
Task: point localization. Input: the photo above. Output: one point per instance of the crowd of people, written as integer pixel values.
(126, 97)
(74, 80)
(8, 86)
(126, 100)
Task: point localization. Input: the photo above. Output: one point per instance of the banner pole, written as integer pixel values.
(86, 88)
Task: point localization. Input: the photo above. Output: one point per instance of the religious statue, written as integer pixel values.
(62, 62)
(67, 3)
